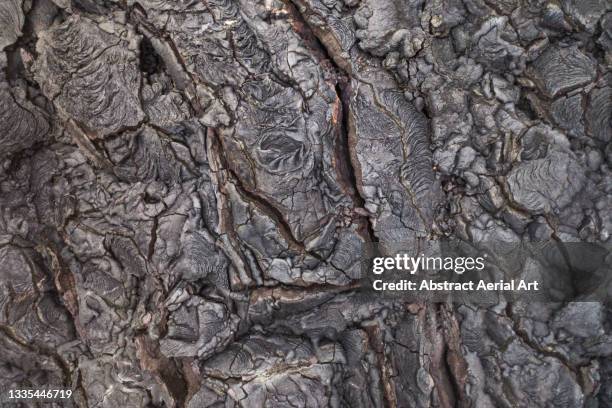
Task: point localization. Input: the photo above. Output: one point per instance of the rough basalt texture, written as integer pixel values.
(187, 189)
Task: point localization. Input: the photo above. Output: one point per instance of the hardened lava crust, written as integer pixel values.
(187, 188)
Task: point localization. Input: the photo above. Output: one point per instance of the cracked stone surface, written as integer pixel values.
(187, 189)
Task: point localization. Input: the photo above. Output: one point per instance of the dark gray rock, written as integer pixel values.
(559, 70)
(188, 190)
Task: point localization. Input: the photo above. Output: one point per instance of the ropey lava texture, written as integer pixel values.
(187, 188)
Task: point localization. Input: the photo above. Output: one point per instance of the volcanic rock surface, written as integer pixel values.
(187, 189)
